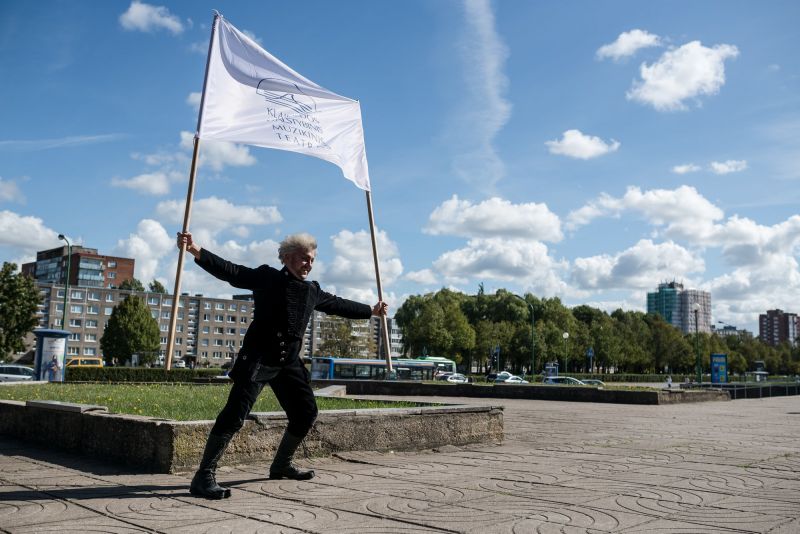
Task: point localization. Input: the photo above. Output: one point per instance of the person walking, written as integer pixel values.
(270, 353)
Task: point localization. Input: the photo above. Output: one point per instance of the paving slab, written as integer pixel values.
(713, 468)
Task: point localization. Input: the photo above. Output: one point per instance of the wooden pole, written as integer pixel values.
(384, 327)
(187, 213)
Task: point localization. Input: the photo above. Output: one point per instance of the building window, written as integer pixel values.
(163, 327)
(243, 309)
(75, 336)
(57, 323)
(217, 342)
(220, 306)
(206, 317)
(111, 275)
(204, 342)
(232, 307)
(76, 308)
(153, 301)
(206, 305)
(94, 295)
(165, 315)
(218, 330)
(75, 323)
(60, 293)
(217, 355)
(231, 331)
(243, 320)
(59, 307)
(179, 328)
(112, 264)
(76, 295)
(91, 323)
(219, 318)
(242, 331)
(163, 341)
(90, 337)
(73, 351)
(108, 311)
(109, 297)
(178, 340)
(206, 330)
(92, 309)
(89, 351)
(154, 314)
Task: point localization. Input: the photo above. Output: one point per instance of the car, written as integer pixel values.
(498, 377)
(457, 378)
(83, 361)
(179, 364)
(563, 381)
(15, 373)
(514, 379)
(442, 376)
(593, 382)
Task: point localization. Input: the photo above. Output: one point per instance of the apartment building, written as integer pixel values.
(677, 306)
(777, 326)
(87, 268)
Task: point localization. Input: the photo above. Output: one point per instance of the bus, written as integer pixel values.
(328, 367)
(443, 365)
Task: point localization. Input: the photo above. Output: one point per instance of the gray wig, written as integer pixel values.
(296, 243)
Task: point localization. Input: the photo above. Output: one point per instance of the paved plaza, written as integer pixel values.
(714, 467)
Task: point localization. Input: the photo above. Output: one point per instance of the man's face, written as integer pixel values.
(300, 263)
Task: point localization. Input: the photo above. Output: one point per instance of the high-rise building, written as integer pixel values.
(686, 309)
(777, 326)
(87, 268)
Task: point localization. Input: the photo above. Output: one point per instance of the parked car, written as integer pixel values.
(15, 373)
(514, 379)
(498, 377)
(457, 378)
(84, 361)
(593, 382)
(563, 381)
(443, 376)
(179, 364)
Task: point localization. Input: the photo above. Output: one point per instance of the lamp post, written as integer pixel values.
(66, 285)
(565, 335)
(698, 366)
(533, 336)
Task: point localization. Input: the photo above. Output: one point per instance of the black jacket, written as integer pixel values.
(283, 307)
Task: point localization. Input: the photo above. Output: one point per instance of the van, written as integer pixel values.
(84, 361)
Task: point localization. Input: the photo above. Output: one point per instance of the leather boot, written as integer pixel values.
(282, 464)
(204, 483)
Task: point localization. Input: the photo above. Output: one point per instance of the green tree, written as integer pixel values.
(131, 330)
(19, 298)
(340, 340)
(132, 284)
(157, 287)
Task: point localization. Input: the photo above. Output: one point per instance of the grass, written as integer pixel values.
(179, 402)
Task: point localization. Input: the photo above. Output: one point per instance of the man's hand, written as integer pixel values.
(185, 238)
(381, 308)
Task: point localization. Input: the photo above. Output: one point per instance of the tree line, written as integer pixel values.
(470, 328)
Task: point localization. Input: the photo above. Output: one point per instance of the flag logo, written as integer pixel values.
(288, 95)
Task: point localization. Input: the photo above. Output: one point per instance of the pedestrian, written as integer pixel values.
(270, 354)
(669, 381)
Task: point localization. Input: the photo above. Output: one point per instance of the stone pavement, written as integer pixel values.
(716, 467)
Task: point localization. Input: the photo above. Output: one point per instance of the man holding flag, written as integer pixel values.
(284, 302)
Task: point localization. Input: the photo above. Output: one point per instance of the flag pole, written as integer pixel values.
(384, 327)
(187, 213)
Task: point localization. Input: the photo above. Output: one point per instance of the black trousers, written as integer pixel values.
(292, 389)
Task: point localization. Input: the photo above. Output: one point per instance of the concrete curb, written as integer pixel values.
(166, 446)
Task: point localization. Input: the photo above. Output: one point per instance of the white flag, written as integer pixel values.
(251, 97)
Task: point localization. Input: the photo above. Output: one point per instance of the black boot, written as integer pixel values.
(204, 483)
(282, 464)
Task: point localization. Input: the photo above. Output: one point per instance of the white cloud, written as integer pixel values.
(148, 18)
(156, 183)
(627, 44)
(61, 142)
(522, 262)
(147, 246)
(576, 144)
(422, 277)
(220, 154)
(494, 217)
(351, 273)
(686, 168)
(214, 215)
(10, 192)
(25, 233)
(636, 267)
(486, 110)
(729, 166)
(687, 72)
(194, 100)
(683, 211)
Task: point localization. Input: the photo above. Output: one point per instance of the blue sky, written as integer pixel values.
(586, 150)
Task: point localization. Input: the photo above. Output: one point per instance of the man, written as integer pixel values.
(284, 302)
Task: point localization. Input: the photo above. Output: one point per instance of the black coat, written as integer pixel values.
(283, 307)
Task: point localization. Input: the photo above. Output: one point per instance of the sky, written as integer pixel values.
(581, 150)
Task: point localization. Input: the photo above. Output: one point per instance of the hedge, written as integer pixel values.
(137, 374)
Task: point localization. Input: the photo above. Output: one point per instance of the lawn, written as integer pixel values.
(179, 402)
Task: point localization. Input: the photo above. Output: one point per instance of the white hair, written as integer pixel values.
(296, 243)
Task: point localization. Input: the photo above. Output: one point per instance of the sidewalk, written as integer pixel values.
(716, 467)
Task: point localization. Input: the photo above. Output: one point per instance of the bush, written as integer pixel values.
(137, 374)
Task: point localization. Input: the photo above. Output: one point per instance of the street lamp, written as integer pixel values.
(533, 335)
(565, 335)
(698, 366)
(66, 285)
